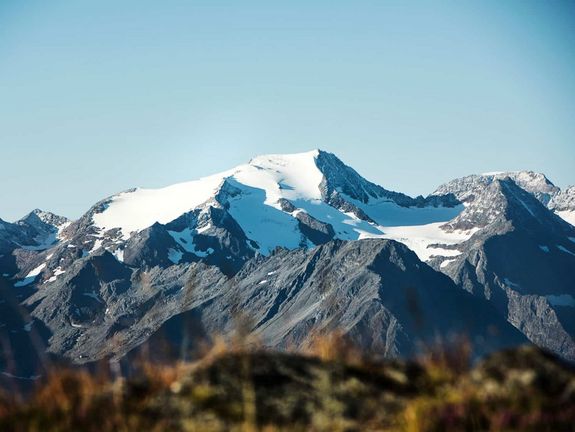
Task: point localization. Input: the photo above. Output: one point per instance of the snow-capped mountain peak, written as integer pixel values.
(37, 216)
(293, 212)
(293, 176)
(275, 199)
(467, 188)
(279, 200)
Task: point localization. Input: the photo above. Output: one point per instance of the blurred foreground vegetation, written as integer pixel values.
(328, 388)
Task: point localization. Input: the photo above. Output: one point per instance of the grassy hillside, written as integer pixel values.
(331, 388)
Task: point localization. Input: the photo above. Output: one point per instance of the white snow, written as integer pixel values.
(289, 176)
(31, 276)
(49, 240)
(139, 209)
(388, 214)
(446, 262)
(561, 300)
(97, 245)
(567, 216)
(203, 229)
(36, 271)
(346, 225)
(417, 228)
(419, 239)
(564, 249)
(119, 254)
(28, 326)
(262, 282)
(292, 176)
(544, 248)
(271, 273)
(263, 223)
(57, 272)
(61, 228)
(264, 181)
(43, 243)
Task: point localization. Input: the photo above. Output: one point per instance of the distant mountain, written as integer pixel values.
(279, 228)
(522, 259)
(376, 291)
(23, 340)
(467, 188)
(289, 201)
(563, 203)
(37, 231)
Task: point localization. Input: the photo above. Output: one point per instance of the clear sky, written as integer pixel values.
(100, 96)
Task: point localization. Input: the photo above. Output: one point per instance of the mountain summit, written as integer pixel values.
(301, 243)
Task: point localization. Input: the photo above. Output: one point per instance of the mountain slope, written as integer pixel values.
(522, 260)
(290, 201)
(21, 241)
(467, 188)
(271, 235)
(376, 291)
(564, 204)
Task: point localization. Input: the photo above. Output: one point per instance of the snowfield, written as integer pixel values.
(262, 183)
(253, 197)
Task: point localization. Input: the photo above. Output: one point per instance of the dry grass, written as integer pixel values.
(330, 388)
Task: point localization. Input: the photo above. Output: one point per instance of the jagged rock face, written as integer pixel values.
(210, 235)
(339, 177)
(375, 291)
(342, 179)
(101, 307)
(22, 241)
(43, 221)
(564, 200)
(194, 250)
(287, 201)
(503, 200)
(523, 261)
(43, 228)
(564, 204)
(466, 189)
(36, 231)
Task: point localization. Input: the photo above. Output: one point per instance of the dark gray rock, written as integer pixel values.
(522, 261)
(466, 189)
(375, 291)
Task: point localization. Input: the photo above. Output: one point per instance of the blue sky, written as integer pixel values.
(100, 96)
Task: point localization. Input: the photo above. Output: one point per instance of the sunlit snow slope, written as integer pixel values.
(263, 184)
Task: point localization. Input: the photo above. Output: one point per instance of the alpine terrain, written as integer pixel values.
(289, 246)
